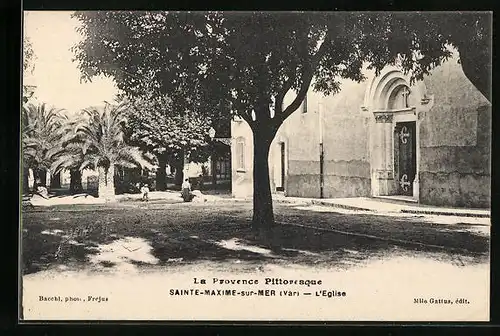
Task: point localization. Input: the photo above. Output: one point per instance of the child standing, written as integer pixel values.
(145, 192)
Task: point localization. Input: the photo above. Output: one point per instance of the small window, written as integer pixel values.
(240, 154)
(304, 104)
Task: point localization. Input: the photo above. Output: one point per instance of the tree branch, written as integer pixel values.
(307, 76)
(247, 118)
(476, 68)
(278, 107)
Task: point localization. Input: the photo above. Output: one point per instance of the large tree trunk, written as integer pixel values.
(213, 161)
(48, 178)
(263, 216)
(101, 181)
(110, 182)
(75, 183)
(161, 173)
(55, 181)
(178, 175)
(41, 177)
(178, 165)
(106, 188)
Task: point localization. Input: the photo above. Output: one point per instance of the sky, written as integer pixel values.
(57, 78)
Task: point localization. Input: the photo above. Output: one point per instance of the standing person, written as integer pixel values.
(186, 191)
(193, 172)
(145, 192)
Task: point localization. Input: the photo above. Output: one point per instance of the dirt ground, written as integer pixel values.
(134, 253)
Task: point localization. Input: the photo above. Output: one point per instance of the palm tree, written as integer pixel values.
(41, 133)
(98, 143)
(69, 155)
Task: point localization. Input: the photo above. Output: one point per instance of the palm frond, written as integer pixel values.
(135, 156)
(65, 161)
(95, 138)
(91, 161)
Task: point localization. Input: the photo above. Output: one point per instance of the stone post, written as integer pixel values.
(383, 154)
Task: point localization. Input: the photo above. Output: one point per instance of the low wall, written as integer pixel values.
(455, 189)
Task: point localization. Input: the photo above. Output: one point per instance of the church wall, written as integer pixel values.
(345, 143)
(299, 132)
(242, 182)
(455, 141)
(347, 162)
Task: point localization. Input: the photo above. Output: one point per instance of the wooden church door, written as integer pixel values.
(405, 157)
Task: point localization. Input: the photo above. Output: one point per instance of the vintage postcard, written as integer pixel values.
(246, 166)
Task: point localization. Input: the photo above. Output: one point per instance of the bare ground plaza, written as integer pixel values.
(135, 245)
(181, 234)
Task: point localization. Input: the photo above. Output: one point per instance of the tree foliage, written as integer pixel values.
(69, 154)
(158, 126)
(420, 41)
(28, 55)
(249, 61)
(41, 134)
(28, 67)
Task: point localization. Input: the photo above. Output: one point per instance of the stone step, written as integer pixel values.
(380, 206)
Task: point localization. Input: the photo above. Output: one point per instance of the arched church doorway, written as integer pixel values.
(394, 136)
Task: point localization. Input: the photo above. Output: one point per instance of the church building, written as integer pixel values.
(425, 142)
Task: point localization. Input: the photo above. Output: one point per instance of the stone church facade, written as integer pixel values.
(426, 142)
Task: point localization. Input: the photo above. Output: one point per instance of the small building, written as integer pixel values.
(426, 142)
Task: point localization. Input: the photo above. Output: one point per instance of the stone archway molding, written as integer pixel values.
(384, 120)
(376, 94)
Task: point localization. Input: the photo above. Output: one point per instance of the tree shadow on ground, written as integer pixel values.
(202, 233)
(414, 229)
(303, 245)
(43, 247)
